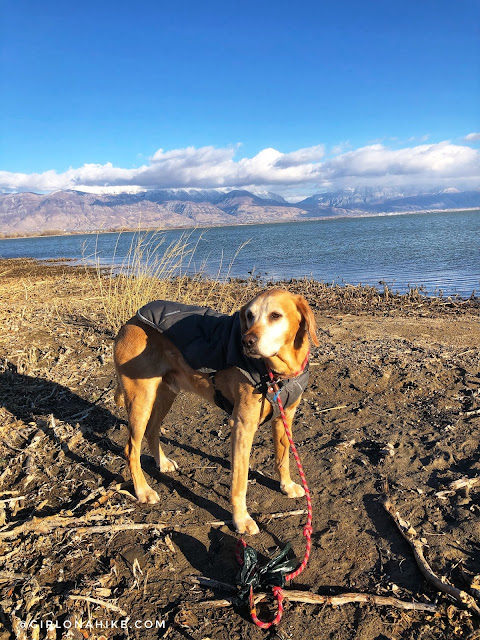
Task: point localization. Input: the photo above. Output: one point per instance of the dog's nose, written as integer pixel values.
(249, 340)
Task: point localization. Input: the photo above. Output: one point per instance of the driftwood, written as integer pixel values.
(261, 517)
(464, 483)
(280, 514)
(102, 603)
(12, 499)
(307, 597)
(7, 556)
(340, 406)
(79, 525)
(12, 575)
(410, 535)
(100, 495)
(457, 485)
(63, 524)
(470, 414)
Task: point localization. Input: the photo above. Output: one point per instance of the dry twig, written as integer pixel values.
(410, 535)
(79, 525)
(470, 414)
(464, 483)
(340, 406)
(102, 603)
(62, 524)
(307, 597)
(8, 500)
(265, 517)
(12, 575)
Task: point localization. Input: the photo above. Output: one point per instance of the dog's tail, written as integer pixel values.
(119, 397)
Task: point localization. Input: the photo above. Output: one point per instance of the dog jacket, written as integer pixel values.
(211, 341)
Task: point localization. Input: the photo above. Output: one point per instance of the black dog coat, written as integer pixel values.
(211, 341)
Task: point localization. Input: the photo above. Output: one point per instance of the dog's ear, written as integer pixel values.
(243, 319)
(308, 318)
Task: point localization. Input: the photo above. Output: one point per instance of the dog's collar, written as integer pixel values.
(281, 376)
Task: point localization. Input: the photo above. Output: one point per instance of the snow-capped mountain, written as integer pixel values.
(75, 211)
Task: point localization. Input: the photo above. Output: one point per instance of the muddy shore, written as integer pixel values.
(394, 396)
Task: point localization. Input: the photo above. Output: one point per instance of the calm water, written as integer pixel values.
(440, 251)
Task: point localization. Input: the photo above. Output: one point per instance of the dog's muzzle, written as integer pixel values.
(250, 344)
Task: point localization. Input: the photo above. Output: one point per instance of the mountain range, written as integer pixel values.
(77, 211)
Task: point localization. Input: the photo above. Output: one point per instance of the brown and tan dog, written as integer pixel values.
(151, 371)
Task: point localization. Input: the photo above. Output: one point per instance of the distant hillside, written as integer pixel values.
(75, 211)
(388, 201)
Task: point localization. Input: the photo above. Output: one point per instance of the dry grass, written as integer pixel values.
(357, 299)
(103, 297)
(153, 269)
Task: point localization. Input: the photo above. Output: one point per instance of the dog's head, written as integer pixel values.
(274, 320)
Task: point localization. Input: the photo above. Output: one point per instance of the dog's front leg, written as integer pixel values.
(243, 430)
(281, 447)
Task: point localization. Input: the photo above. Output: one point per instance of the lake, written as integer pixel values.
(439, 251)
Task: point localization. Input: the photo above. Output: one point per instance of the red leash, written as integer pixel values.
(307, 531)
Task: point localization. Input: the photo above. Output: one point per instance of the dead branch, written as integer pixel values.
(7, 556)
(94, 494)
(61, 524)
(115, 528)
(456, 485)
(11, 575)
(102, 603)
(410, 535)
(464, 483)
(79, 525)
(39, 525)
(119, 488)
(265, 517)
(470, 414)
(281, 514)
(8, 500)
(346, 598)
(309, 598)
(340, 406)
(306, 597)
(101, 496)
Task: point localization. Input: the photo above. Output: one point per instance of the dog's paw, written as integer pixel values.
(147, 496)
(292, 490)
(166, 465)
(246, 525)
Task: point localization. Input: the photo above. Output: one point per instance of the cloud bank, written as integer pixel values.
(442, 163)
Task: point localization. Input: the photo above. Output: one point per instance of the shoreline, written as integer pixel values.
(53, 266)
(45, 234)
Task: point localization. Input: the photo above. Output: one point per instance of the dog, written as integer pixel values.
(157, 354)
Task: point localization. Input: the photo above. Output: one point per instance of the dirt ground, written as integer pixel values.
(393, 396)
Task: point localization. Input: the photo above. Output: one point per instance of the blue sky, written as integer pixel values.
(107, 84)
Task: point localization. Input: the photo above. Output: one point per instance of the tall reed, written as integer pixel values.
(154, 269)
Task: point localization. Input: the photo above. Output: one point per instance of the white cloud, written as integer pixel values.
(211, 167)
(423, 138)
(437, 160)
(340, 148)
(472, 137)
(302, 156)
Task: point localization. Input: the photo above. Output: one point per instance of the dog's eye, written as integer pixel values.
(275, 315)
(249, 315)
